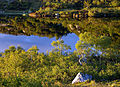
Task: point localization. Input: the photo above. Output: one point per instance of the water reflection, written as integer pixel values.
(49, 30)
(31, 26)
(43, 43)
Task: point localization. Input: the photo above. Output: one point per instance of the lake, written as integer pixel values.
(95, 44)
(43, 43)
(27, 32)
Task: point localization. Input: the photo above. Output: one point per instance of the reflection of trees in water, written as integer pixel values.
(58, 27)
(102, 33)
(105, 34)
(99, 27)
(31, 26)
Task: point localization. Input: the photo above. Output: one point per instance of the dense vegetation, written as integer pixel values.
(30, 26)
(14, 5)
(99, 43)
(58, 67)
(83, 8)
(79, 4)
(58, 4)
(61, 26)
(30, 68)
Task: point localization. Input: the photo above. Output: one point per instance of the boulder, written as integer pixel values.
(81, 78)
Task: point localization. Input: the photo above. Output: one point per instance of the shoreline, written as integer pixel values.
(66, 13)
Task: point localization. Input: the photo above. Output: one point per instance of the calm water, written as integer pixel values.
(28, 32)
(43, 43)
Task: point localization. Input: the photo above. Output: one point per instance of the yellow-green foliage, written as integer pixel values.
(30, 67)
(97, 11)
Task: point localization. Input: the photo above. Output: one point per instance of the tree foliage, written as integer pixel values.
(60, 46)
(57, 4)
(30, 68)
(99, 43)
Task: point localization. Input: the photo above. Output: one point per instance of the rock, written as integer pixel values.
(81, 78)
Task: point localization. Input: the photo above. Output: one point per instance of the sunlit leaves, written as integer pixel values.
(60, 46)
(12, 48)
(51, 67)
(87, 39)
(33, 49)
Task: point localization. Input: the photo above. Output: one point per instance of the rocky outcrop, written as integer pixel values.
(81, 78)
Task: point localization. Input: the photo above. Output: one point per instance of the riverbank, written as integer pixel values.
(67, 13)
(83, 13)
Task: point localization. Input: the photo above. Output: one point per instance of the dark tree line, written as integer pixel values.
(58, 4)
